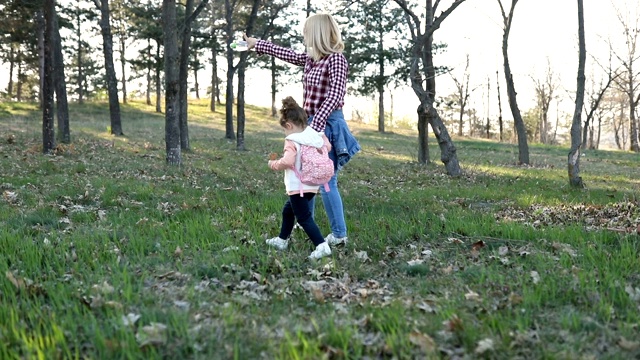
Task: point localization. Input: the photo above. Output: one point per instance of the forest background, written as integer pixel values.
(543, 62)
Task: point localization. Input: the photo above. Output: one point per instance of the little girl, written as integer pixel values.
(294, 121)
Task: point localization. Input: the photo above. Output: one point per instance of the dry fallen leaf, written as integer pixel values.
(515, 299)
(10, 196)
(152, 334)
(472, 295)
(362, 255)
(104, 288)
(318, 295)
(535, 277)
(454, 324)
(177, 252)
(415, 262)
(455, 240)
(130, 319)
(16, 281)
(634, 293)
(628, 345)
(484, 345)
(423, 341)
(448, 270)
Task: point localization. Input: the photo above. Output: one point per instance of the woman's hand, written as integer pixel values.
(251, 42)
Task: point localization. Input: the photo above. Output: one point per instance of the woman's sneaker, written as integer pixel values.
(321, 251)
(332, 240)
(278, 243)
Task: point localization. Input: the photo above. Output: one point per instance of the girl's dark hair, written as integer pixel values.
(293, 113)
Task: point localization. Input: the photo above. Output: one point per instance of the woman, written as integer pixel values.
(324, 87)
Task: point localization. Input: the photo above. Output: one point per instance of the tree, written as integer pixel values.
(60, 84)
(48, 132)
(172, 86)
(241, 77)
(121, 16)
(595, 97)
(372, 25)
(21, 28)
(146, 25)
(521, 131)
(231, 7)
(423, 82)
(500, 124)
(629, 81)
(576, 131)
(544, 90)
(211, 41)
(85, 69)
(462, 94)
(112, 81)
(185, 31)
(282, 33)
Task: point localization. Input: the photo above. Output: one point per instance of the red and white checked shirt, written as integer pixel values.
(324, 81)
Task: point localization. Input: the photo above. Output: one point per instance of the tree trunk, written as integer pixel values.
(380, 81)
(488, 124)
(158, 81)
(11, 65)
(19, 89)
(229, 134)
(184, 75)
(60, 84)
(597, 143)
(241, 78)
(214, 81)
(148, 92)
(521, 130)
(274, 85)
(80, 89)
(195, 76)
(112, 81)
(47, 90)
(123, 68)
(172, 86)
(423, 136)
(633, 122)
(41, 35)
(499, 106)
(448, 152)
(461, 122)
(574, 153)
(240, 106)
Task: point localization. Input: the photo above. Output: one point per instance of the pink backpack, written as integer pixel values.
(316, 168)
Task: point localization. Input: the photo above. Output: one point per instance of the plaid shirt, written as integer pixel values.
(324, 81)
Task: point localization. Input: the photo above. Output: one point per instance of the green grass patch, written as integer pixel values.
(107, 252)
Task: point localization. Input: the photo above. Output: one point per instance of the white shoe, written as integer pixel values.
(276, 242)
(321, 251)
(332, 240)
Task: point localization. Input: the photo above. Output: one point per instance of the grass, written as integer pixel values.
(109, 253)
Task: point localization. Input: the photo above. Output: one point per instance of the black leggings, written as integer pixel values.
(299, 208)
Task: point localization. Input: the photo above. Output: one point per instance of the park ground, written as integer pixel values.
(107, 252)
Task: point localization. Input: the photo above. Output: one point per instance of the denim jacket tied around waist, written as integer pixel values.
(344, 144)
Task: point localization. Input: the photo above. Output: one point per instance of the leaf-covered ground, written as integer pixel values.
(109, 253)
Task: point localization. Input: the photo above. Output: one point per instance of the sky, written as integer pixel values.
(543, 32)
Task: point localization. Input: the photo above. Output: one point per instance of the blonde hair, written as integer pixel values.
(322, 36)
